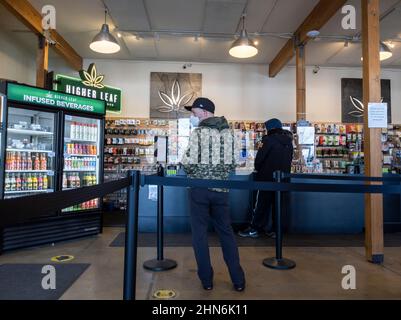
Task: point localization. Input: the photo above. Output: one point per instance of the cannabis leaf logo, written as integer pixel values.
(359, 107)
(175, 101)
(90, 77)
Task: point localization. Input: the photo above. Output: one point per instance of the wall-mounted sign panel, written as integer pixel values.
(42, 97)
(90, 85)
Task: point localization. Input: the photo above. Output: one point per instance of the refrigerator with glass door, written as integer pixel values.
(49, 141)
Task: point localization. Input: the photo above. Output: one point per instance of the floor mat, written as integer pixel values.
(291, 240)
(24, 281)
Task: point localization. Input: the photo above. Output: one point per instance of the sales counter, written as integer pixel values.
(303, 212)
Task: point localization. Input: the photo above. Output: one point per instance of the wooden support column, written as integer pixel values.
(301, 82)
(42, 62)
(372, 137)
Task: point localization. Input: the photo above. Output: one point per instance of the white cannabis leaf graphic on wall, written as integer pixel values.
(90, 78)
(359, 107)
(174, 102)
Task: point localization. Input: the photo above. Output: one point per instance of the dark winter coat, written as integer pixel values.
(275, 154)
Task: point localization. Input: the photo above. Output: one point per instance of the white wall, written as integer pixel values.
(323, 92)
(239, 91)
(16, 62)
(243, 91)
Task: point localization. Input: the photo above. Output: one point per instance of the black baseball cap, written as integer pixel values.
(202, 103)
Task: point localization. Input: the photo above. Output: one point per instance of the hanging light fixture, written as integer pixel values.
(243, 47)
(104, 42)
(385, 51)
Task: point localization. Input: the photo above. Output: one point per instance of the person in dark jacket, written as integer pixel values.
(275, 154)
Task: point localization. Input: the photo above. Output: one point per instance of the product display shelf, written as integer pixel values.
(27, 191)
(29, 132)
(29, 171)
(29, 150)
(130, 145)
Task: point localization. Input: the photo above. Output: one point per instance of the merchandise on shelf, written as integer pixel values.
(92, 204)
(339, 149)
(391, 148)
(83, 131)
(26, 182)
(80, 149)
(75, 180)
(80, 164)
(26, 161)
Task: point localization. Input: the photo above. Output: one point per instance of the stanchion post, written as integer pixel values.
(160, 264)
(277, 213)
(278, 262)
(160, 224)
(131, 236)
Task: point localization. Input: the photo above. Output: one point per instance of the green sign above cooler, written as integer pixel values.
(90, 85)
(42, 97)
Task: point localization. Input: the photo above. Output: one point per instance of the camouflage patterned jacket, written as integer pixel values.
(213, 151)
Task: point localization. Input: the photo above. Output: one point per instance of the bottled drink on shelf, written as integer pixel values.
(36, 162)
(65, 181)
(18, 183)
(35, 185)
(43, 161)
(73, 130)
(77, 181)
(12, 183)
(29, 182)
(29, 166)
(24, 182)
(7, 183)
(45, 182)
(40, 182)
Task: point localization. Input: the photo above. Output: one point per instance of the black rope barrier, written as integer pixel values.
(343, 177)
(37, 206)
(272, 186)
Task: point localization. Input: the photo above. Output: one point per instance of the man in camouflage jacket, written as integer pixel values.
(212, 154)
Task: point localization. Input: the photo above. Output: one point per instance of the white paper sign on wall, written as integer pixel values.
(377, 115)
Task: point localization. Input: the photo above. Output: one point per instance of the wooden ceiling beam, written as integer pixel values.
(32, 19)
(319, 16)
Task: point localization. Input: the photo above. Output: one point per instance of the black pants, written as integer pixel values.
(205, 204)
(263, 210)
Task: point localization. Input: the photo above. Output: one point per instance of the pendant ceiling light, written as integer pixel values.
(385, 52)
(243, 47)
(104, 42)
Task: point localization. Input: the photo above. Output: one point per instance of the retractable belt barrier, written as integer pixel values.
(31, 207)
(274, 186)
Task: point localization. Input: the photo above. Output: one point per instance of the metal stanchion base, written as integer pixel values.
(279, 264)
(159, 265)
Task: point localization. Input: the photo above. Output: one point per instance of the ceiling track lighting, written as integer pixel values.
(243, 47)
(104, 42)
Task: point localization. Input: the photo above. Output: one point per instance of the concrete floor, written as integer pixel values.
(317, 275)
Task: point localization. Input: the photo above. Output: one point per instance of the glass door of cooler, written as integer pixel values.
(30, 153)
(81, 157)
